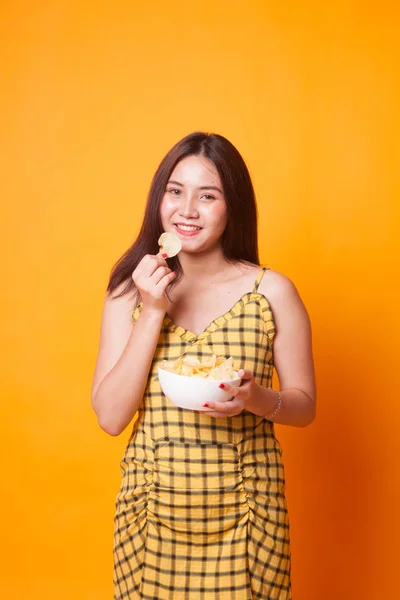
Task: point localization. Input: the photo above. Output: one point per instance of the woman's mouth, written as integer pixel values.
(187, 230)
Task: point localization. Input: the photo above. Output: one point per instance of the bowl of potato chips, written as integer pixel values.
(191, 383)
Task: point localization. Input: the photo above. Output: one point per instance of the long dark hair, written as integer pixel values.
(239, 240)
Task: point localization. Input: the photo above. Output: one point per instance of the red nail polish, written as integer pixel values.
(205, 405)
(221, 385)
(164, 255)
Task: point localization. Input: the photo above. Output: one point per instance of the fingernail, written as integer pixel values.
(222, 385)
(164, 255)
(205, 405)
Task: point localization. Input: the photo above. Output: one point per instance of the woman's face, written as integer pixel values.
(193, 206)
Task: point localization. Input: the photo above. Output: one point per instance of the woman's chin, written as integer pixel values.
(200, 249)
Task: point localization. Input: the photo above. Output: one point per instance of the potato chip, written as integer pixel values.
(215, 367)
(191, 360)
(169, 244)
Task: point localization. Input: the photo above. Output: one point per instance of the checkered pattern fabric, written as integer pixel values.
(201, 512)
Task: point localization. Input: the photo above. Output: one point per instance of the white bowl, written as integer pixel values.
(193, 392)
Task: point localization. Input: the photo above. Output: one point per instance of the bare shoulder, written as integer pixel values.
(117, 312)
(275, 286)
(119, 299)
(282, 295)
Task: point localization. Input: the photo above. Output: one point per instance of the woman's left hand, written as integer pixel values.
(240, 397)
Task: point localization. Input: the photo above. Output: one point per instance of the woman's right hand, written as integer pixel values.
(151, 277)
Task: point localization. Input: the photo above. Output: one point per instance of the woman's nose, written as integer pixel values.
(187, 208)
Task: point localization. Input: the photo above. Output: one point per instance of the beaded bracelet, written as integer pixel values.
(278, 408)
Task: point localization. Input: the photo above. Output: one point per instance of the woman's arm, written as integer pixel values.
(126, 351)
(292, 358)
(125, 355)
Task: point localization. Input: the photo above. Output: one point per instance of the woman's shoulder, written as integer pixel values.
(124, 291)
(277, 286)
(121, 300)
(283, 298)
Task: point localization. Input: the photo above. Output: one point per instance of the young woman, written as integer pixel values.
(201, 512)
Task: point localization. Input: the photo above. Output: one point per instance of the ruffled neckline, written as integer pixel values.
(237, 308)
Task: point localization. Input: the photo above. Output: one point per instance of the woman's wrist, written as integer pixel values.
(153, 313)
(272, 415)
(265, 402)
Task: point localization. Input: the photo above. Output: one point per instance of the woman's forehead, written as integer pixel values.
(196, 170)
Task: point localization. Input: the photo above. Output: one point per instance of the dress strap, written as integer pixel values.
(259, 277)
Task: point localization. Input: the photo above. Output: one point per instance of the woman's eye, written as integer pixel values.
(208, 197)
(175, 192)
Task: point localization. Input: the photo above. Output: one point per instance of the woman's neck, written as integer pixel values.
(204, 265)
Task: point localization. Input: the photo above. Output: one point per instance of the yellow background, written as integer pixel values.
(94, 94)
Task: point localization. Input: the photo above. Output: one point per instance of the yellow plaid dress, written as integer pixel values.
(201, 512)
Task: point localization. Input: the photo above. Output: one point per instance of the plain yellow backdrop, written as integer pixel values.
(94, 94)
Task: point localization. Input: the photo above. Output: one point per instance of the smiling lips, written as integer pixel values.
(187, 230)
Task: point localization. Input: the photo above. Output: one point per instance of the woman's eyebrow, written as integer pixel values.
(203, 187)
(210, 187)
(175, 183)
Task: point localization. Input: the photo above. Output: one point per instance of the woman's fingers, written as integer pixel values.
(234, 405)
(225, 411)
(159, 274)
(234, 390)
(243, 374)
(238, 395)
(219, 415)
(151, 278)
(148, 265)
(143, 275)
(166, 280)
